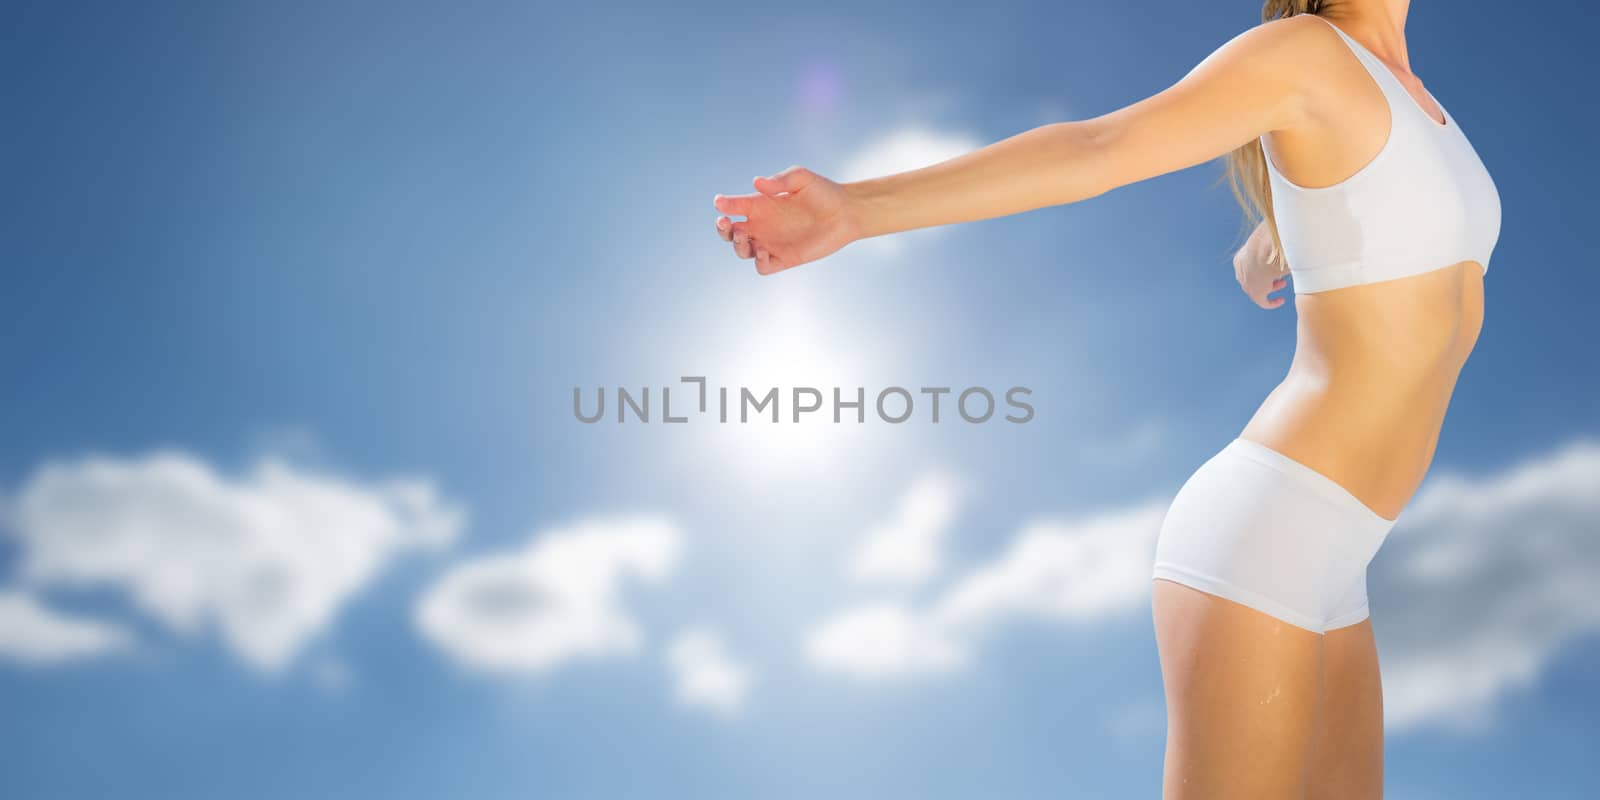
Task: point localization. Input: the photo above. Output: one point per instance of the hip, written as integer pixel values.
(1375, 444)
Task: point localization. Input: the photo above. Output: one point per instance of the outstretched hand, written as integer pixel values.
(795, 216)
(1260, 268)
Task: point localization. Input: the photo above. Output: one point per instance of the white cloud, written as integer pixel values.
(1074, 570)
(706, 674)
(881, 641)
(1482, 582)
(1078, 570)
(267, 559)
(556, 600)
(907, 148)
(906, 550)
(35, 635)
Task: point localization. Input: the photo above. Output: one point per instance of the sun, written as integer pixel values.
(805, 351)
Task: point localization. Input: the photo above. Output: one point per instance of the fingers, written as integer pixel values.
(734, 232)
(1266, 300)
(744, 246)
(738, 204)
(792, 179)
(768, 263)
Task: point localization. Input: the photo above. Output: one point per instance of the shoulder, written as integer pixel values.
(1291, 40)
(1281, 61)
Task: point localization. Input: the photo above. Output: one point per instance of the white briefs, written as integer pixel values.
(1261, 529)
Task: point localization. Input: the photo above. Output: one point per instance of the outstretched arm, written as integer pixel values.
(1254, 84)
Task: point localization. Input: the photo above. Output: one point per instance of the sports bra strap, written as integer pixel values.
(1387, 82)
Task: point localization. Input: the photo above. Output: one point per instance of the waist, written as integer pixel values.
(1374, 368)
(1376, 444)
(1404, 329)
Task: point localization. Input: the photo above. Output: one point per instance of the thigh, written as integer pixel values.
(1242, 690)
(1347, 754)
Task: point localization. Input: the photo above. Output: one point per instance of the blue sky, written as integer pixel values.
(293, 504)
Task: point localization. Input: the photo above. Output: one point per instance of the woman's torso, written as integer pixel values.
(1376, 356)
(1373, 370)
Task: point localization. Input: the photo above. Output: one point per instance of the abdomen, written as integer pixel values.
(1372, 376)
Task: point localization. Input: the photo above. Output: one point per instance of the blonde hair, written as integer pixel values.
(1247, 166)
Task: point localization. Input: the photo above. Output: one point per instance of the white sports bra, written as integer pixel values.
(1424, 202)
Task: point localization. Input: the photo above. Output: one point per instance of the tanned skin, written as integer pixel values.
(1257, 708)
